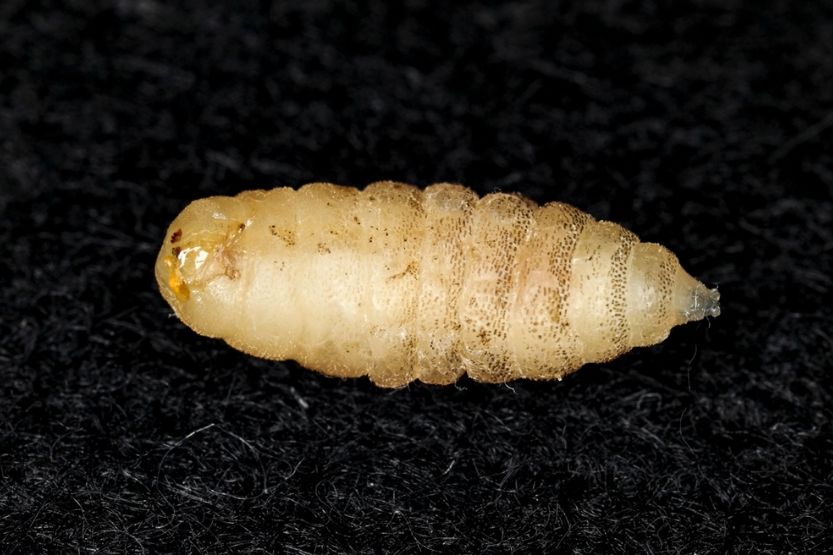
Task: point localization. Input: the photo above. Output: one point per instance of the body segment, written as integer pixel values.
(399, 283)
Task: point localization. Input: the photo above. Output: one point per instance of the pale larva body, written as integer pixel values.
(399, 284)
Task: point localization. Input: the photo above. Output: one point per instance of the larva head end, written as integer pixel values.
(701, 302)
(661, 295)
(712, 307)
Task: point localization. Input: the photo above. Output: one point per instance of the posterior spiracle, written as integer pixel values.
(401, 284)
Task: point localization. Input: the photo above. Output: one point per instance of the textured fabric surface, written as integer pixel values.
(704, 125)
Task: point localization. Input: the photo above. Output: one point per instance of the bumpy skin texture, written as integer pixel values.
(398, 283)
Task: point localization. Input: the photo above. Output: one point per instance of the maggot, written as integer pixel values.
(399, 283)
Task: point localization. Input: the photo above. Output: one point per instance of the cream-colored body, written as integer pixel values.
(398, 283)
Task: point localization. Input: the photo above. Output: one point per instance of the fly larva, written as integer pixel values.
(402, 284)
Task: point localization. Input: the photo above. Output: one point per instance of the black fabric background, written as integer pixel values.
(704, 125)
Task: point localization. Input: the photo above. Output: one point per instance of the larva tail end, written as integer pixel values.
(197, 268)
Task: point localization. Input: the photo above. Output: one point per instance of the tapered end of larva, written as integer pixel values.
(693, 300)
(663, 295)
(699, 302)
